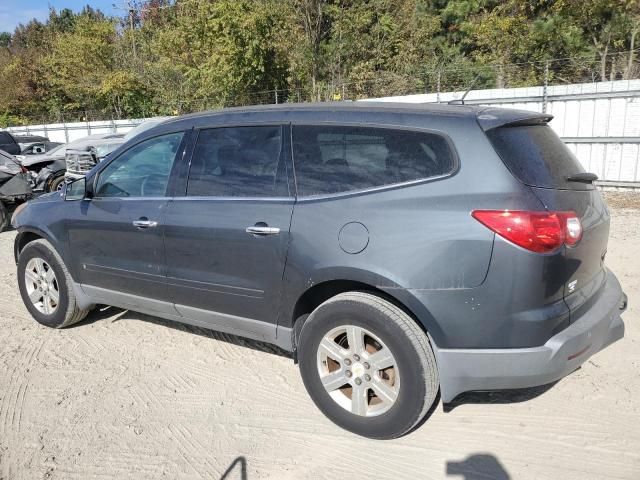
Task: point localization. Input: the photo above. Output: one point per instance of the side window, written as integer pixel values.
(238, 162)
(333, 159)
(141, 171)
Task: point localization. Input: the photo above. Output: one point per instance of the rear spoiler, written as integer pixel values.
(491, 118)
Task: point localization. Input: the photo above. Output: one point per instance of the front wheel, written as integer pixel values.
(46, 286)
(56, 184)
(367, 365)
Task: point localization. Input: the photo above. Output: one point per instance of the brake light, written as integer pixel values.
(540, 232)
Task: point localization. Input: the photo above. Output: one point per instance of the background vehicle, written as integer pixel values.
(396, 250)
(25, 144)
(8, 143)
(80, 158)
(37, 147)
(14, 186)
(48, 170)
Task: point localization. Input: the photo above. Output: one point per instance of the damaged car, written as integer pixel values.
(15, 186)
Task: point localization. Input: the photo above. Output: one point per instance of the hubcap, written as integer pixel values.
(42, 286)
(358, 371)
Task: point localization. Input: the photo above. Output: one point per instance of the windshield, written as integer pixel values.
(57, 149)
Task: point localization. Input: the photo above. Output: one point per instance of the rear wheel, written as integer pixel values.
(46, 286)
(367, 365)
(4, 217)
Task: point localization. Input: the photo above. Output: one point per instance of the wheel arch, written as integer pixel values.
(319, 292)
(26, 236)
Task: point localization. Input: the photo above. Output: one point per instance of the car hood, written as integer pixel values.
(30, 160)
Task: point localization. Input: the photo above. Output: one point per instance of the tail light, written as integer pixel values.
(540, 232)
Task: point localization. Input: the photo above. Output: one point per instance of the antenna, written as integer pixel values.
(460, 101)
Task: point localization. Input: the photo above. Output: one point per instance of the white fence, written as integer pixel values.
(67, 132)
(600, 122)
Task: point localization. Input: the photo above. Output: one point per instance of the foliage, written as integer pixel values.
(175, 56)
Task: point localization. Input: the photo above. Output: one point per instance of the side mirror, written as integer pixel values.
(76, 190)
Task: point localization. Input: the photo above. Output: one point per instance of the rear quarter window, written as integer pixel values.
(536, 156)
(335, 159)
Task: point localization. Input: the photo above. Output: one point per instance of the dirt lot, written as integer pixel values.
(123, 395)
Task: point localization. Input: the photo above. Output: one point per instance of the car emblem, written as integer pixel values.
(572, 286)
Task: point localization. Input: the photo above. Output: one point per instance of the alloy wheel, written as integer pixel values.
(42, 286)
(358, 371)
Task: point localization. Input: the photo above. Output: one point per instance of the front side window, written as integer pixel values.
(238, 162)
(141, 171)
(333, 159)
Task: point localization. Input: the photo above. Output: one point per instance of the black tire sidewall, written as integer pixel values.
(411, 398)
(4, 216)
(34, 250)
(52, 184)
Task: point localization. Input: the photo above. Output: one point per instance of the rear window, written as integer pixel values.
(537, 156)
(333, 159)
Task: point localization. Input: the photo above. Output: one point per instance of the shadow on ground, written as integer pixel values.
(498, 397)
(479, 466)
(237, 470)
(118, 314)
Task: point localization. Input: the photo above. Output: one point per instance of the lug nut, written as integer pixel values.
(358, 381)
(367, 377)
(366, 365)
(356, 357)
(347, 362)
(348, 373)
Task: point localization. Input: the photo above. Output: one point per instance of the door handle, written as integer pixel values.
(145, 223)
(262, 230)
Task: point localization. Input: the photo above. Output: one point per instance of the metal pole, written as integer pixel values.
(438, 85)
(545, 87)
(64, 125)
(133, 39)
(276, 96)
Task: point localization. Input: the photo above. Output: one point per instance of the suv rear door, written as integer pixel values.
(226, 237)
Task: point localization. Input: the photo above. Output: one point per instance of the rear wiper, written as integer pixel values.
(584, 177)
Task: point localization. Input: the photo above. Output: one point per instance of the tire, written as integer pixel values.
(66, 311)
(4, 217)
(397, 398)
(55, 184)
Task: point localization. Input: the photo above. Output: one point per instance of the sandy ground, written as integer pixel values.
(123, 395)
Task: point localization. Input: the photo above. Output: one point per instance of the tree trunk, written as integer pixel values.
(603, 50)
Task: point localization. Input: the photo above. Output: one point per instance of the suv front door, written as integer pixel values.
(226, 239)
(116, 236)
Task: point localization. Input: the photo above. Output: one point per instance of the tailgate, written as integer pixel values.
(584, 262)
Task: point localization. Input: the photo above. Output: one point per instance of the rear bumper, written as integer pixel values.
(463, 370)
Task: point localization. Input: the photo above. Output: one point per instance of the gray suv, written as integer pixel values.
(397, 251)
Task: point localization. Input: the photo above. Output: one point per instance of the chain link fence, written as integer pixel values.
(439, 79)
